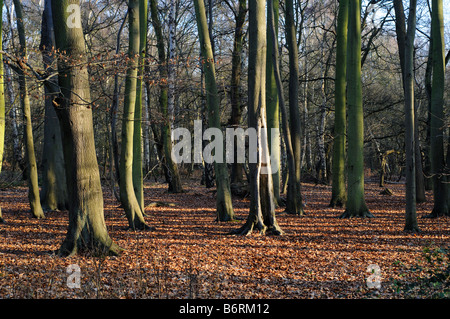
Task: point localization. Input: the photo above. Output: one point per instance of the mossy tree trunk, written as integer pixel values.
(87, 230)
(32, 169)
(262, 202)
(224, 203)
(294, 203)
(138, 182)
(237, 169)
(356, 204)
(338, 190)
(133, 210)
(437, 120)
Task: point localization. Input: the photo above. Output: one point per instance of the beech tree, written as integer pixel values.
(410, 147)
(171, 168)
(338, 190)
(32, 169)
(138, 182)
(2, 100)
(261, 216)
(87, 228)
(54, 191)
(437, 123)
(224, 203)
(356, 205)
(133, 210)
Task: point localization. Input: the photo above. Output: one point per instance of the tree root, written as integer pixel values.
(362, 214)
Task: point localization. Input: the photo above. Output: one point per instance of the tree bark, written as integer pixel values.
(356, 205)
(338, 190)
(54, 190)
(273, 107)
(437, 123)
(410, 148)
(32, 170)
(138, 182)
(172, 174)
(262, 202)
(87, 228)
(224, 205)
(2, 100)
(133, 210)
(237, 169)
(294, 185)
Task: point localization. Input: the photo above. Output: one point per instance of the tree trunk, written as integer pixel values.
(138, 182)
(224, 204)
(237, 169)
(410, 148)
(262, 205)
(87, 229)
(400, 30)
(356, 205)
(32, 170)
(133, 210)
(2, 100)
(338, 190)
(437, 123)
(54, 190)
(172, 174)
(273, 107)
(294, 186)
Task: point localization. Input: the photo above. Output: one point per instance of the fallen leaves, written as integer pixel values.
(192, 256)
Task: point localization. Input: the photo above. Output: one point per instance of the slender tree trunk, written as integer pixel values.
(273, 107)
(410, 210)
(32, 170)
(2, 100)
(133, 210)
(400, 29)
(172, 174)
(54, 189)
(87, 229)
(237, 169)
(356, 205)
(294, 185)
(224, 204)
(138, 182)
(338, 190)
(262, 204)
(293, 202)
(437, 123)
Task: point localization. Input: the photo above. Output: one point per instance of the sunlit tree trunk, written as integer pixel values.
(87, 228)
(338, 190)
(32, 169)
(356, 204)
(262, 202)
(133, 210)
(224, 204)
(437, 123)
(273, 107)
(138, 182)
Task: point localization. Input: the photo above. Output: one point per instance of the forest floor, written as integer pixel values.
(190, 255)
